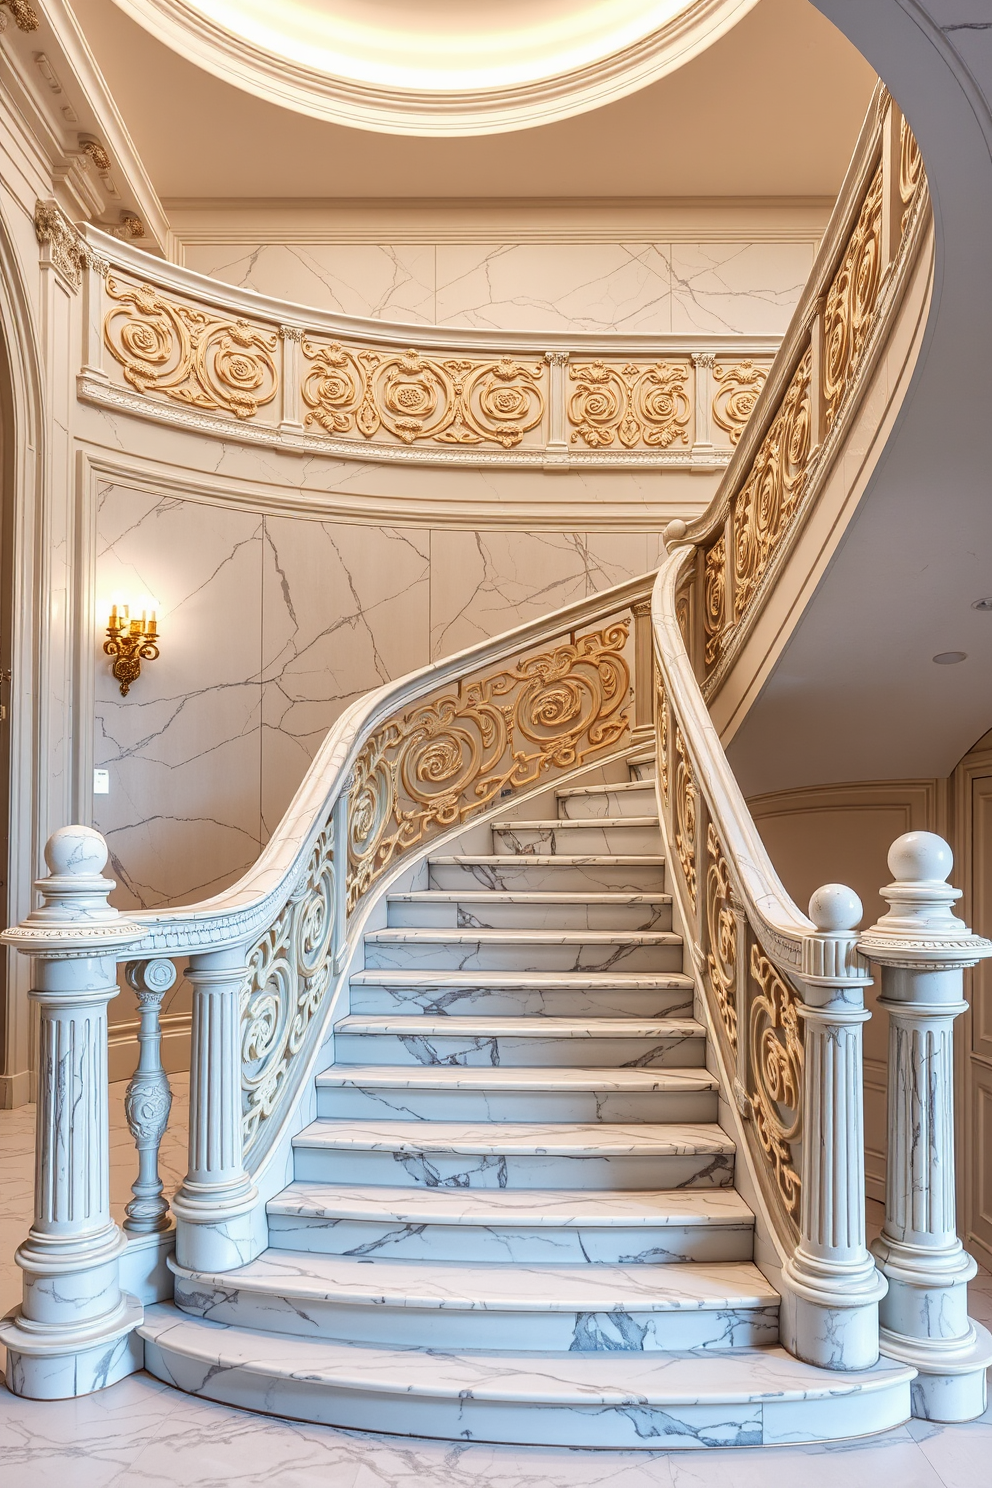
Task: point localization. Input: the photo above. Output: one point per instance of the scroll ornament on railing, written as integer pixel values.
(414, 397)
(289, 972)
(776, 1083)
(851, 301)
(633, 404)
(447, 759)
(192, 356)
(737, 393)
(721, 936)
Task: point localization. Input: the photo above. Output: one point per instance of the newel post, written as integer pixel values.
(833, 1285)
(74, 1330)
(923, 949)
(220, 1223)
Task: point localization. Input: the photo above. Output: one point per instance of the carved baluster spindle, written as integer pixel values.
(148, 1098)
(556, 449)
(290, 420)
(703, 363)
(922, 949)
(832, 1284)
(643, 667)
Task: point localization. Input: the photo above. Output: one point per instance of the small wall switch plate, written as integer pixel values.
(101, 782)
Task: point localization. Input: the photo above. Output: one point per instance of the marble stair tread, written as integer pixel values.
(466, 1286)
(571, 824)
(536, 1025)
(725, 1376)
(556, 860)
(498, 1077)
(565, 981)
(527, 896)
(615, 788)
(483, 935)
(577, 1208)
(570, 1139)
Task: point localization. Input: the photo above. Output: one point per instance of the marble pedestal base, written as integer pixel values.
(951, 1383)
(53, 1363)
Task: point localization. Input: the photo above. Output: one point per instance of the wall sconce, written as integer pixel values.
(130, 642)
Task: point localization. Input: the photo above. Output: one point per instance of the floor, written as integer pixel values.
(141, 1432)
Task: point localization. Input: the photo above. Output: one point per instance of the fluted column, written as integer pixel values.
(833, 1285)
(219, 1222)
(73, 1332)
(923, 948)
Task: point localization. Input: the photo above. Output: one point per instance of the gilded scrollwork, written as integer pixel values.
(661, 735)
(765, 504)
(776, 1063)
(415, 397)
(721, 936)
(851, 301)
(194, 357)
(715, 599)
(738, 387)
(632, 403)
(910, 169)
(450, 757)
(685, 815)
(289, 972)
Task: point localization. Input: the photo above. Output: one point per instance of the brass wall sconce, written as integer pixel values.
(130, 642)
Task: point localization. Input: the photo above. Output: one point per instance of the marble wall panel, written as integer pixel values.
(387, 281)
(183, 748)
(344, 609)
(750, 289)
(555, 286)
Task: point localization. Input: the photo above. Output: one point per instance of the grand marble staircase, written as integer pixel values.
(514, 1218)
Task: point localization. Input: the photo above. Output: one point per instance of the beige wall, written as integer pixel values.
(842, 834)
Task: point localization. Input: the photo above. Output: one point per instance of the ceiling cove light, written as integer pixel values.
(439, 67)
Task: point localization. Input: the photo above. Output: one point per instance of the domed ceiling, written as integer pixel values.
(439, 67)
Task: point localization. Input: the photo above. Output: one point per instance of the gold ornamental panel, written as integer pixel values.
(737, 392)
(765, 504)
(443, 761)
(685, 816)
(715, 599)
(630, 403)
(721, 936)
(195, 357)
(851, 301)
(910, 169)
(776, 1075)
(415, 397)
(661, 734)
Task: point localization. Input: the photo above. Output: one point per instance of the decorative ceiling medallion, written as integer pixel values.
(439, 67)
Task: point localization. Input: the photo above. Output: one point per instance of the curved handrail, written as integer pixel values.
(817, 383)
(744, 933)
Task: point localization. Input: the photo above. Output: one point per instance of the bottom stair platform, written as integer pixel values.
(739, 1397)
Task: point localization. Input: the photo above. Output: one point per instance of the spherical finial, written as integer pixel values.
(674, 533)
(920, 857)
(76, 851)
(835, 907)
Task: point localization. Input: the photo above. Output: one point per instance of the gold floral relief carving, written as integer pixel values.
(415, 397)
(635, 404)
(910, 169)
(289, 973)
(721, 936)
(775, 1086)
(682, 613)
(851, 301)
(764, 506)
(449, 757)
(715, 599)
(685, 816)
(661, 736)
(192, 356)
(736, 395)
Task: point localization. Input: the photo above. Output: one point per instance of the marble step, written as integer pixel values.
(529, 909)
(585, 802)
(616, 873)
(469, 1093)
(460, 1305)
(462, 1154)
(645, 768)
(622, 1400)
(524, 950)
(615, 834)
(601, 1043)
(519, 994)
(501, 1226)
